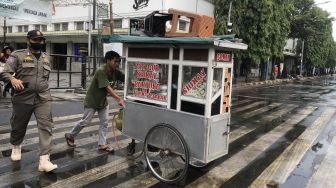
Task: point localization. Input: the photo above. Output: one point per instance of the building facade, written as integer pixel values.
(69, 28)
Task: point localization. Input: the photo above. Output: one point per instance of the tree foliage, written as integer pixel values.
(262, 24)
(313, 26)
(265, 25)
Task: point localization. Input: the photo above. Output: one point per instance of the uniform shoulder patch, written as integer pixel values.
(21, 50)
(17, 52)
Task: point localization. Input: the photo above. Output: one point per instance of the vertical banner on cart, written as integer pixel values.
(32, 10)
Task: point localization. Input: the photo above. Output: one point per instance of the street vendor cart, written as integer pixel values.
(178, 98)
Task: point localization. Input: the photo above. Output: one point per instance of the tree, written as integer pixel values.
(262, 24)
(313, 26)
(282, 9)
(331, 62)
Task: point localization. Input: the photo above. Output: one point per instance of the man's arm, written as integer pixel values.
(9, 68)
(7, 74)
(115, 96)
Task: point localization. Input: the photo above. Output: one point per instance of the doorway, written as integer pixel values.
(59, 62)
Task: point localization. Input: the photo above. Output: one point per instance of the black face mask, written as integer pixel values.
(37, 46)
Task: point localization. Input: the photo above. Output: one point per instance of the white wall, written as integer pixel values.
(125, 8)
(195, 6)
(122, 9)
(73, 13)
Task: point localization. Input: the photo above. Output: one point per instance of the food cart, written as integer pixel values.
(178, 98)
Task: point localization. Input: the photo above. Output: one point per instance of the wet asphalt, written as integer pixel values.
(320, 93)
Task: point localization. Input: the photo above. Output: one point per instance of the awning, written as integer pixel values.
(226, 41)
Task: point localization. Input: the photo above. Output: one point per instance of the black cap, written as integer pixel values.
(35, 34)
(111, 55)
(7, 47)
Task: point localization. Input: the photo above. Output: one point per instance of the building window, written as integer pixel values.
(37, 27)
(79, 25)
(9, 29)
(20, 29)
(44, 27)
(57, 27)
(117, 23)
(41, 27)
(65, 26)
(25, 28)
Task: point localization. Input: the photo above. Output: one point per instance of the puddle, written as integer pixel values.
(312, 159)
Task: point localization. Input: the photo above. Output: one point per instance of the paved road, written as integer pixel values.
(281, 135)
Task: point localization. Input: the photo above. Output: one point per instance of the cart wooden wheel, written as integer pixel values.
(166, 153)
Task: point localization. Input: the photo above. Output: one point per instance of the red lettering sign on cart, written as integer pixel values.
(146, 82)
(223, 56)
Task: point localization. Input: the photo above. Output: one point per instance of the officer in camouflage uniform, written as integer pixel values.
(32, 95)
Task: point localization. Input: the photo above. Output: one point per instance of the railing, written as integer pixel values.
(71, 71)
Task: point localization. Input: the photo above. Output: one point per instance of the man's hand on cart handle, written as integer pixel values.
(121, 102)
(115, 96)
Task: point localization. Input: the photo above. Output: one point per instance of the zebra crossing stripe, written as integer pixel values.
(284, 110)
(34, 140)
(261, 110)
(229, 168)
(94, 174)
(31, 171)
(248, 106)
(240, 102)
(34, 129)
(60, 147)
(55, 119)
(325, 174)
(242, 130)
(143, 181)
(281, 168)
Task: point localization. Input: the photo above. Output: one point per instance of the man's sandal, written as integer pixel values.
(105, 148)
(70, 140)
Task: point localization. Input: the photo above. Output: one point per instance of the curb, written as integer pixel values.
(83, 91)
(265, 82)
(277, 81)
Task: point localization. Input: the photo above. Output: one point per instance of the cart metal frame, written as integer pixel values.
(201, 138)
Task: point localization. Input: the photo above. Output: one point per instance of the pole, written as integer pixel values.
(229, 24)
(94, 38)
(94, 15)
(301, 58)
(111, 18)
(83, 80)
(5, 31)
(89, 30)
(229, 16)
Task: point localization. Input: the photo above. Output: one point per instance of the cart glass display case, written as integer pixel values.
(147, 82)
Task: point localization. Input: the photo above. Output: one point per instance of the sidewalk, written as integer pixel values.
(240, 81)
(73, 94)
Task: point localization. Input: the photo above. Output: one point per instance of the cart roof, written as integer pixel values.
(225, 41)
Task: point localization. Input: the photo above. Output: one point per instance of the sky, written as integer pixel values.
(330, 6)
